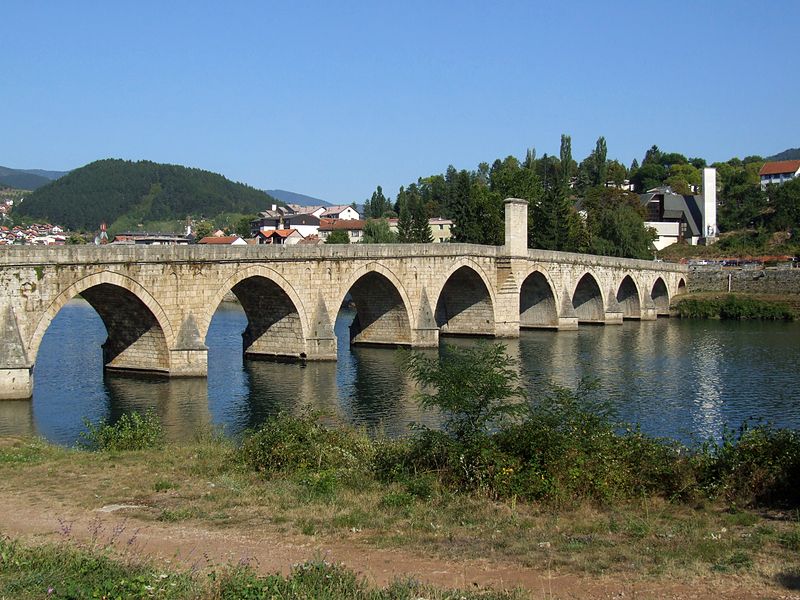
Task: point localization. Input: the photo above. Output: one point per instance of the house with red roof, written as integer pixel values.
(353, 227)
(281, 237)
(779, 172)
(223, 240)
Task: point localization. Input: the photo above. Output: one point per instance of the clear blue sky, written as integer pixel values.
(333, 98)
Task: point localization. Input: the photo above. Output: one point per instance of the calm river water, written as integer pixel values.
(683, 379)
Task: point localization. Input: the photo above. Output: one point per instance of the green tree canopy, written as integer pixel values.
(338, 236)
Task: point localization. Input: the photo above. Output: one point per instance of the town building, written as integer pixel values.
(353, 227)
(683, 218)
(441, 228)
(144, 238)
(223, 240)
(779, 172)
(282, 237)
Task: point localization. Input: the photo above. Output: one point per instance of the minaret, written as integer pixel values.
(709, 203)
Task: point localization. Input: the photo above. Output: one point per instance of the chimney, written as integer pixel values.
(709, 203)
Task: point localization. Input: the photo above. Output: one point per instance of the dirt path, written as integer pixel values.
(186, 545)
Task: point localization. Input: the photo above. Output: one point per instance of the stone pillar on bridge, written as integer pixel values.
(513, 254)
(426, 333)
(16, 371)
(189, 357)
(321, 342)
(567, 316)
(614, 312)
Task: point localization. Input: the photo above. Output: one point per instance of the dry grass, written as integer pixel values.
(202, 484)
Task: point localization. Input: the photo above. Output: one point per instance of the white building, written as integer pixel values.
(676, 217)
(779, 172)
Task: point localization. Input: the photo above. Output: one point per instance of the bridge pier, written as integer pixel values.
(16, 372)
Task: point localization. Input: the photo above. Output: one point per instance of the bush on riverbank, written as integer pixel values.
(733, 307)
(563, 448)
(133, 431)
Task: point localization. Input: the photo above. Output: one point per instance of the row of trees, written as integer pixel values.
(590, 206)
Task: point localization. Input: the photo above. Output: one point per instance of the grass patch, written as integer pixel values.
(734, 307)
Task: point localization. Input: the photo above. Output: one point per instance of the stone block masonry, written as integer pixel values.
(157, 301)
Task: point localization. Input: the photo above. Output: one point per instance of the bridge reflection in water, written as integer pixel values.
(677, 378)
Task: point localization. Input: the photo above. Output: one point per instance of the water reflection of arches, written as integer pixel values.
(381, 310)
(275, 319)
(587, 300)
(465, 306)
(537, 303)
(628, 299)
(136, 326)
(660, 297)
(181, 403)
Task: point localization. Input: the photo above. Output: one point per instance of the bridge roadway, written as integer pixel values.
(157, 301)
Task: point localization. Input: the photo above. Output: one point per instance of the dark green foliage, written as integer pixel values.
(615, 224)
(376, 231)
(474, 388)
(733, 307)
(133, 431)
(377, 206)
(125, 193)
(755, 466)
(286, 444)
(338, 236)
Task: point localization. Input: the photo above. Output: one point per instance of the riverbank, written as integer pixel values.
(737, 306)
(195, 506)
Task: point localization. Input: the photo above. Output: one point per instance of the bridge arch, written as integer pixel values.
(465, 304)
(629, 298)
(538, 305)
(660, 296)
(382, 306)
(587, 299)
(277, 322)
(681, 286)
(139, 332)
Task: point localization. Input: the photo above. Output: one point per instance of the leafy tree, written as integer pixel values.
(786, 200)
(203, 229)
(377, 231)
(566, 161)
(377, 206)
(548, 221)
(682, 177)
(243, 228)
(338, 236)
(473, 388)
(76, 239)
(615, 224)
(600, 156)
(617, 173)
(405, 224)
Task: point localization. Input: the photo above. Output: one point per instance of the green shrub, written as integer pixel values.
(289, 444)
(757, 465)
(733, 307)
(133, 431)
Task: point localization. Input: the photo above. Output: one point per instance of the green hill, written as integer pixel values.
(125, 193)
(790, 154)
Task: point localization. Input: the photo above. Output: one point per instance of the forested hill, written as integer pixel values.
(124, 193)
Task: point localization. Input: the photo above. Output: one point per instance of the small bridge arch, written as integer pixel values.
(538, 305)
(629, 298)
(587, 299)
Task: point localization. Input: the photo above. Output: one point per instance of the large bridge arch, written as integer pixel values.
(538, 303)
(466, 302)
(588, 300)
(660, 296)
(383, 308)
(139, 332)
(629, 297)
(277, 321)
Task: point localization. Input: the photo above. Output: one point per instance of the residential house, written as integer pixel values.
(353, 227)
(686, 218)
(223, 240)
(779, 172)
(340, 212)
(282, 237)
(441, 228)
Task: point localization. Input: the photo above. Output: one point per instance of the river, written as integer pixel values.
(677, 378)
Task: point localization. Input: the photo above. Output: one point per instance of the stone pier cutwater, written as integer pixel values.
(157, 301)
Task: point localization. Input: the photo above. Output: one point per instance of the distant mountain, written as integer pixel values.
(125, 193)
(790, 154)
(27, 179)
(295, 198)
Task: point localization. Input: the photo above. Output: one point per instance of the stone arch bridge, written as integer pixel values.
(157, 301)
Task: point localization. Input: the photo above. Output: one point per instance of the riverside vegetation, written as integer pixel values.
(553, 481)
(733, 307)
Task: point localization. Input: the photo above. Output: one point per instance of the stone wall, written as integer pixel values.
(754, 281)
